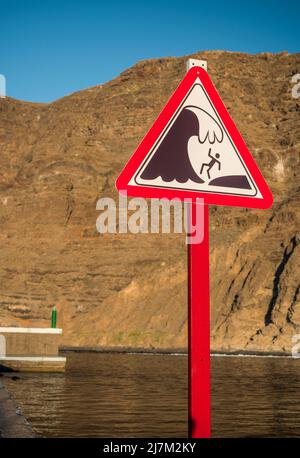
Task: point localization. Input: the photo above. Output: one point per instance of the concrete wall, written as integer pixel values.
(29, 341)
(2, 345)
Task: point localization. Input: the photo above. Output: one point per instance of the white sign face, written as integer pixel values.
(196, 153)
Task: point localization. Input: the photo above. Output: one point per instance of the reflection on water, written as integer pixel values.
(256, 397)
(121, 395)
(107, 395)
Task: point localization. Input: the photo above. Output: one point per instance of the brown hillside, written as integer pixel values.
(130, 290)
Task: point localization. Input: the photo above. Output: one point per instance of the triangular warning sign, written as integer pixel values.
(194, 150)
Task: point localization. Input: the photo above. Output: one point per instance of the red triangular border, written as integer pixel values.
(157, 129)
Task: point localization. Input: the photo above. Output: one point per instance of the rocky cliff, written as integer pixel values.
(130, 289)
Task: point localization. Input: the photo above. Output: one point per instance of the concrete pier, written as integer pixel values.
(31, 349)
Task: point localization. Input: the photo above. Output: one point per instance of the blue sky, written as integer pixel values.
(49, 49)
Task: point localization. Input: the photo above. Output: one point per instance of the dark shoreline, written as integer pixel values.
(167, 351)
(12, 423)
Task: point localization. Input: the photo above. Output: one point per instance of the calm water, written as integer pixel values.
(121, 395)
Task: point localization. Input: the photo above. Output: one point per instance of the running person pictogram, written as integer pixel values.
(209, 165)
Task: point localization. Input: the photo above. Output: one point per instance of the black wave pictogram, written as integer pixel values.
(231, 181)
(171, 160)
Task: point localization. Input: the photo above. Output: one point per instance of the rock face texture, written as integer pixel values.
(113, 290)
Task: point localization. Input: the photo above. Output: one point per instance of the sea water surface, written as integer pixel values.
(138, 395)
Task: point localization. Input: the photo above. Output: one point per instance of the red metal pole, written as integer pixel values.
(199, 330)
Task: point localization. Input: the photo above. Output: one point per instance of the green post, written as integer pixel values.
(53, 317)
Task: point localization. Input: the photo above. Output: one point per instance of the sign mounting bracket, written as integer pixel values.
(196, 63)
